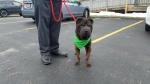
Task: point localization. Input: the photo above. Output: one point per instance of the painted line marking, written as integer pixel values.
(30, 28)
(6, 18)
(115, 32)
(15, 22)
(61, 24)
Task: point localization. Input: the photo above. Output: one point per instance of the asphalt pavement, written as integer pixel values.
(120, 54)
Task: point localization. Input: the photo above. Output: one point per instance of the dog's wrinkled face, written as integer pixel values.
(84, 27)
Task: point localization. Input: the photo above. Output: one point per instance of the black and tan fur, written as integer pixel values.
(84, 27)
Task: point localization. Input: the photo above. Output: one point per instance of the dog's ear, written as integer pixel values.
(91, 20)
(79, 19)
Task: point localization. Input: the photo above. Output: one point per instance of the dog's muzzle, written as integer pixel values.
(85, 33)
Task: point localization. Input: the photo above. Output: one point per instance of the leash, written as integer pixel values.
(69, 11)
(59, 17)
(52, 8)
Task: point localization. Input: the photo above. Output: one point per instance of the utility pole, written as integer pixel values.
(91, 5)
(126, 7)
(106, 5)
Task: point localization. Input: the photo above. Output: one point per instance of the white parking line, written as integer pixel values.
(11, 18)
(15, 22)
(61, 24)
(32, 28)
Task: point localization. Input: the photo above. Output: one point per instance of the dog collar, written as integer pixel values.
(80, 43)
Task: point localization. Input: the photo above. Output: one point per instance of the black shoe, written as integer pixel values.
(60, 53)
(46, 59)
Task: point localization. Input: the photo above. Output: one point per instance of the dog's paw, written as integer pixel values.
(88, 65)
(77, 63)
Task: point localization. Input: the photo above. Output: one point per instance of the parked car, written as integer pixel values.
(77, 8)
(147, 19)
(9, 7)
(21, 1)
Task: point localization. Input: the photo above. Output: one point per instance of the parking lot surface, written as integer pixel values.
(120, 54)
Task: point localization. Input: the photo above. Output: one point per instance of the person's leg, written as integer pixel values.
(42, 18)
(55, 30)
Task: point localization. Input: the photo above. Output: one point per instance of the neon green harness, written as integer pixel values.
(80, 43)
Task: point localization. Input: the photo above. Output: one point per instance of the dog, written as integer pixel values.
(82, 38)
